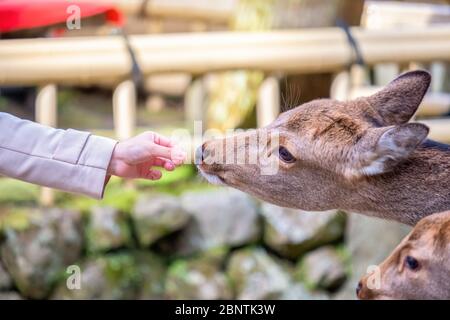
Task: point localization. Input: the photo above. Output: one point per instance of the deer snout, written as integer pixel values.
(209, 161)
(211, 153)
(199, 154)
(363, 292)
(204, 153)
(358, 288)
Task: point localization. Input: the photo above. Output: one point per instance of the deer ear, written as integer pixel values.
(393, 145)
(398, 102)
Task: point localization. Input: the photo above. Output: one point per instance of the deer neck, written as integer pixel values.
(417, 188)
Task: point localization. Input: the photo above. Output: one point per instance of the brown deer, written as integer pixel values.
(359, 156)
(419, 268)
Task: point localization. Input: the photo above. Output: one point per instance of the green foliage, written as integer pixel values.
(179, 188)
(121, 266)
(253, 15)
(181, 174)
(346, 257)
(116, 196)
(233, 94)
(15, 218)
(300, 276)
(3, 104)
(17, 192)
(121, 273)
(215, 255)
(178, 269)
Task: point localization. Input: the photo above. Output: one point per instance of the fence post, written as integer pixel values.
(194, 103)
(124, 110)
(268, 105)
(124, 113)
(46, 114)
(340, 87)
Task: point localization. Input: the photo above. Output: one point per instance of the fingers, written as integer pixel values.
(157, 139)
(171, 153)
(152, 175)
(164, 163)
(178, 155)
(163, 147)
(144, 171)
(160, 151)
(163, 141)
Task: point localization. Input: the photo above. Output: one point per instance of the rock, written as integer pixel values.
(292, 232)
(152, 273)
(323, 268)
(37, 255)
(107, 229)
(198, 279)
(257, 275)
(369, 242)
(155, 216)
(220, 217)
(136, 275)
(5, 279)
(216, 255)
(10, 296)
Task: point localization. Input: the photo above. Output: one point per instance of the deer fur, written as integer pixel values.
(428, 244)
(359, 156)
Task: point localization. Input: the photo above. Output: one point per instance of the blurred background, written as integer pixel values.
(126, 66)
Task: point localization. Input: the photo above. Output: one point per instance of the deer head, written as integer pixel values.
(327, 151)
(419, 268)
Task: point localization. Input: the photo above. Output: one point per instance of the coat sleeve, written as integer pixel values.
(69, 160)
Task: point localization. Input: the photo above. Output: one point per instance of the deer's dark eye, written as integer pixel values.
(412, 263)
(285, 155)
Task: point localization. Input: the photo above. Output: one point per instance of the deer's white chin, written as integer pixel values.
(211, 178)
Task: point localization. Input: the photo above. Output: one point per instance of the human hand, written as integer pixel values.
(137, 157)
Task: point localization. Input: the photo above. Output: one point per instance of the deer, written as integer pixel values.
(419, 268)
(361, 156)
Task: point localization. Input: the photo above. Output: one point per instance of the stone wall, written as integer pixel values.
(209, 244)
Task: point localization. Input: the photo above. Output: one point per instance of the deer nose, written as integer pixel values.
(358, 288)
(201, 154)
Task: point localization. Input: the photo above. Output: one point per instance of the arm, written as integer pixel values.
(79, 162)
(69, 160)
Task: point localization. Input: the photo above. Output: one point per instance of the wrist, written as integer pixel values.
(115, 158)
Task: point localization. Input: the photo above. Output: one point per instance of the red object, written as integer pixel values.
(27, 14)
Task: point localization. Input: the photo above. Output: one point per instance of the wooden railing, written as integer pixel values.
(103, 59)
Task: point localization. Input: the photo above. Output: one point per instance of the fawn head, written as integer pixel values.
(321, 145)
(419, 268)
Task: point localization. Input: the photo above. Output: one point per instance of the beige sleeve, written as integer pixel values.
(69, 160)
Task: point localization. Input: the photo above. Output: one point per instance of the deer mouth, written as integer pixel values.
(212, 178)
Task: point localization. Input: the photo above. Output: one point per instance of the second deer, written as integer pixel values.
(419, 268)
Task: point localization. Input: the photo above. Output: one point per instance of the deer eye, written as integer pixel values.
(412, 263)
(285, 155)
